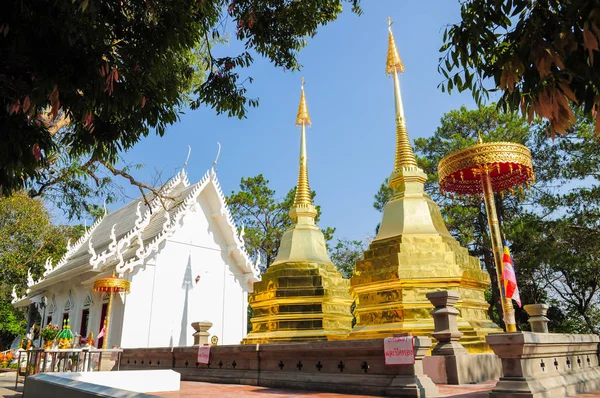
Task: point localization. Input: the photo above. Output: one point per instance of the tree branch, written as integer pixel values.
(141, 186)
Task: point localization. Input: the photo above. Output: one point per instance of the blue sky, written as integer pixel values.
(350, 100)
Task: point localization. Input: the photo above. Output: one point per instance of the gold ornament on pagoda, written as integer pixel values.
(486, 168)
(413, 254)
(302, 296)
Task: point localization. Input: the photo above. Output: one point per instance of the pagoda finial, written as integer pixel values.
(303, 198)
(394, 62)
(303, 116)
(405, 156)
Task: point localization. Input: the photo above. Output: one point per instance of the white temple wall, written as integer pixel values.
(192, 282)
(139, 306)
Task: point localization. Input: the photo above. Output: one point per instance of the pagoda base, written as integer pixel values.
(299, 302)
(391, 282)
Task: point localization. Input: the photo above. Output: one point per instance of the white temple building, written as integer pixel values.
(185, 264)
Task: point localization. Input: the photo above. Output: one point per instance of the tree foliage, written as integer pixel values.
(117, 70)
(264, 216)
(27, 239)
(346, 253)
(541, 55)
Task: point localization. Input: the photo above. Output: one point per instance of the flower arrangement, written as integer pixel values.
(49, 332)
(6, 359)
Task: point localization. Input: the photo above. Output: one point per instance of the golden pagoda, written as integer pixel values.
(302, 296)
(413, 254)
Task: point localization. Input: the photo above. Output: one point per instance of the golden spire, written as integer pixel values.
(303, 116)
(394, 63)
(404, 152)
(303, 198)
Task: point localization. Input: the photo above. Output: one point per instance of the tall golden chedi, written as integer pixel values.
(413, 254)
(302, 296)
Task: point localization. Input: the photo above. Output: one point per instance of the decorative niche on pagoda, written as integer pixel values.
(184, 258)
(302, 296)
(413, 254)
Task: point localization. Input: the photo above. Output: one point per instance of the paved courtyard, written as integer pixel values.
(7, 385)
(198, 389)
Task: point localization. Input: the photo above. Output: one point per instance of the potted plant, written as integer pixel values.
(49, 334)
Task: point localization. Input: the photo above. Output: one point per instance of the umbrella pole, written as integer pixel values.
(108, 313)
(494, 225)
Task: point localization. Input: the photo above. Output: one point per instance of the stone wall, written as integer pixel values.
(545, 364)
(339, 366)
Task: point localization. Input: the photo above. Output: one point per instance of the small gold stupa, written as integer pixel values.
(413, 254)
(302, 296)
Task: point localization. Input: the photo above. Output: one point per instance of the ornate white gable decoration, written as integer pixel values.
(172, 221)
(117, 247)
(52, 306)
(14, 296)
(238, 238)
(71, 249)
(89, 300)
(69, 303)
(169, 227)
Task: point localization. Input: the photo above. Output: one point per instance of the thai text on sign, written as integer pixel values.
(204, 354)
(399, 350)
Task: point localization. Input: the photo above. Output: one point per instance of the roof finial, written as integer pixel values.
(479, 139)
(404, 152)
(187, 157)
(303, 198)
(303, 116)
(218, 154)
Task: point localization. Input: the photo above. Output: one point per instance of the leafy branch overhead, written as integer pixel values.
(118, 70)
(542, 56)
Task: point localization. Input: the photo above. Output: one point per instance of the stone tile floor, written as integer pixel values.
(7, 386)
(198, 389)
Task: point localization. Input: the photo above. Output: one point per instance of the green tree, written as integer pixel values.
(559, 239)
(541, 55)
(27, 239)
(346, 253)
(114, 71)
(265, 217)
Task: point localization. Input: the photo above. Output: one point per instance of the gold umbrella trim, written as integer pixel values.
(112, 284)
(507, 163)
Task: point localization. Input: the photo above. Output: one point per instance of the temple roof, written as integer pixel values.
(123, 239)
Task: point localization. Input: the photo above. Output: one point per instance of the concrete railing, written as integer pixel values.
(449, 362)
(355, 367)
(545, 364)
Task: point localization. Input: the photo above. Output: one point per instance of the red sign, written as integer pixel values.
(399, 350)
(204, 354)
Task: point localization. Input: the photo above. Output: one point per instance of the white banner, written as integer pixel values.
(399, 350)
(204, 354)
